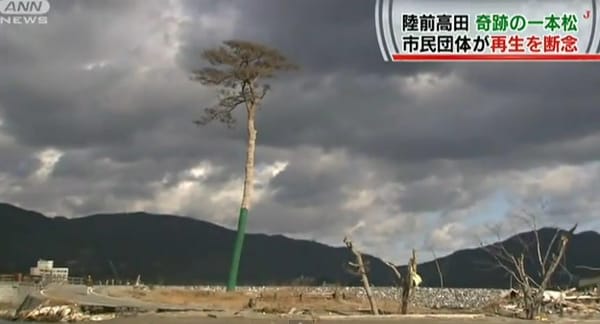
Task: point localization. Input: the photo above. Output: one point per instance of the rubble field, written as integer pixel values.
(353, 301)
(567, 303)
(344, 302)
(322, 300)
(52, 310)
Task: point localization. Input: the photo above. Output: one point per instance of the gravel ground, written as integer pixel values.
(450, 298)
(437, 298)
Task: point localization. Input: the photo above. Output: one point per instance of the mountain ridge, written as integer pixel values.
(174, 249)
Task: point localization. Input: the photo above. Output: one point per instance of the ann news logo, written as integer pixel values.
(24, 12)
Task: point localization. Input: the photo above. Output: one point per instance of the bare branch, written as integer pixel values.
(563, 247)
(501, 260)
(548, 259)
(538, 244)
(264, 90)
(395, 270)
(550, 247)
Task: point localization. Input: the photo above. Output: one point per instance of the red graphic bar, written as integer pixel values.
(495, 57)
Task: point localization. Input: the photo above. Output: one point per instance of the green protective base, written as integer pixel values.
(237, 250)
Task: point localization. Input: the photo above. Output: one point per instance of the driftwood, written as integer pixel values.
(360, 269)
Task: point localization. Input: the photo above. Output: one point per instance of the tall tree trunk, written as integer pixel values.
(246, 200)
(411, 270)
(439, 269)
(362, 272)
(366, 285)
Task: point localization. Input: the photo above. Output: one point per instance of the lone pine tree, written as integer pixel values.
(239, 69)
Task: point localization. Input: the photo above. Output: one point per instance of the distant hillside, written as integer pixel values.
(475, 267)
(178, 250)
(167, 249)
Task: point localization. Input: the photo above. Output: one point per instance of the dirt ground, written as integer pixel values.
(164, 320)
(279, 302)
(281, 305)
(186, 319)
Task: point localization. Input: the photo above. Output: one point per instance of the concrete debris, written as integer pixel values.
(63, 313)
(554, 296)
(102, 317)
(7, 314)
(141, 287)
(511, 294)
(570, 302)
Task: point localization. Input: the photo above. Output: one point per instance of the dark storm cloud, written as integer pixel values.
(315, 186)
(132, 179)
(554, 80)
(17, 161)
(461, 123)
(425, 197)
(321, 36)
(364, 140)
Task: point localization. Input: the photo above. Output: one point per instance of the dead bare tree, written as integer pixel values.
(239, 69)
(407, 282)
(531, 265)
(439, 269)
(360, 269)
(410, 281)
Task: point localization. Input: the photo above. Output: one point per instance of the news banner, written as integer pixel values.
(488, 30)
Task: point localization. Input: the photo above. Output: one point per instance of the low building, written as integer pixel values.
(590, 282)
(46, 270)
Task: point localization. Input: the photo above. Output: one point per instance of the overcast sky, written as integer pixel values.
(96, 112)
